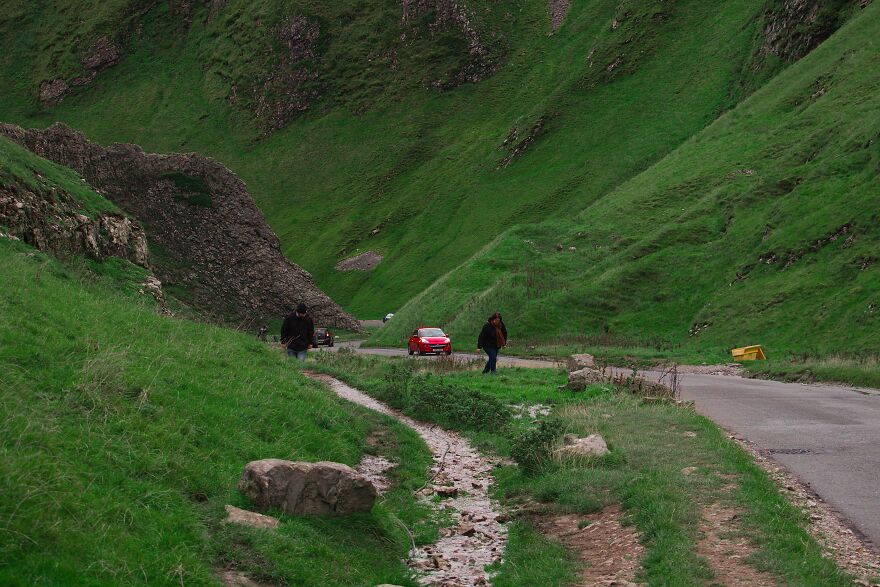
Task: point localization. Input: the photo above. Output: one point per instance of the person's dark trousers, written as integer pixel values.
(493, 359)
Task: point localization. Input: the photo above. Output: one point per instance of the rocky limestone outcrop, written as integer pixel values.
(558, 11)
(451, 14)
(307, 488)
(793, 28)
(53, 221)
(289, 88)
(100, 54)
(214, 240)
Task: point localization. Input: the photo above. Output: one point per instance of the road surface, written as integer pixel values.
(827, 435)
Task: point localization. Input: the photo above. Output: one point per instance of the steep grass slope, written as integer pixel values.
(123, 433)
(763, 228)
(353, 125)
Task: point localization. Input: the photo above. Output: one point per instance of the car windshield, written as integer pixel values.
(430, 332)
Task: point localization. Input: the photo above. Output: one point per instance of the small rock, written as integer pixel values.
(591, 446)
(246, 518)
(690, 434)
(445, 491)
(582, 361)
(688, 471)
(466, 529)
(580, 379)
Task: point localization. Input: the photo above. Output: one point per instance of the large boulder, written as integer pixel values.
(581, 361)
(307, 488)
(580, 379)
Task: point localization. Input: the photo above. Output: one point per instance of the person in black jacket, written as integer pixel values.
(492, 339)
(297, 333)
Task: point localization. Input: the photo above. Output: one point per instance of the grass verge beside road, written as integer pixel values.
(667, 468)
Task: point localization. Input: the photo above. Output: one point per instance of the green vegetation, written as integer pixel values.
(647, 473)
(381, 145)
(21, 168)
(192, 190)
(761, 229)
(123, 434)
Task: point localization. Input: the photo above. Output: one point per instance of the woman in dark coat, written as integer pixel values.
(492, 339)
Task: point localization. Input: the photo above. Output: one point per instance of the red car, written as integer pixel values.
(429, 341)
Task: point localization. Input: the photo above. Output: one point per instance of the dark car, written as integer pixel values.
(323, 336)
(429, 341)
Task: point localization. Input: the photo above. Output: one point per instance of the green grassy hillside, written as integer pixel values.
(763, 228)
(380, 135)
(123, 434)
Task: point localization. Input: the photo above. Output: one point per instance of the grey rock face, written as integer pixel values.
(307, 488)
(214, 240)
(52, 221)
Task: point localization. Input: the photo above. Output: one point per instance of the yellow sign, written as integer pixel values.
(749, 353)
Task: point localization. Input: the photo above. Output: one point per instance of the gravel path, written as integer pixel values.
(476, 538)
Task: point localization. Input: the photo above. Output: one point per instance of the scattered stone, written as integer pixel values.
(307, 488)
(466, 529)
(364, 262)
(688, 471)
(375, 469)
(591, 446)
(238, 579)
(53, 91)
(690, 434)
(581, 379)
(454, 560)
(246, 518)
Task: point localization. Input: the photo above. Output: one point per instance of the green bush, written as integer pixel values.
(431, 398)
(532, 448)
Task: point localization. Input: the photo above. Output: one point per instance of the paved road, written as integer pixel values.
(827, 435)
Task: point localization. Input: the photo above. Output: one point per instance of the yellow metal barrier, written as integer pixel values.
(749, 353)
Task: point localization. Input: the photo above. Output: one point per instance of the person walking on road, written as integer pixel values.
(492, 339)
(297, 333)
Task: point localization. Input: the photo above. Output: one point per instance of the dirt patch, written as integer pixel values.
(727, 551)
(609, 550)
(363, 262)
(838, 540)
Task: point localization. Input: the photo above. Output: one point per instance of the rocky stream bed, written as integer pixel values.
(461, 476)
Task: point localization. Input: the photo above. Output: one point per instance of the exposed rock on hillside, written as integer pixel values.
(52, 221)
(287, 90)
(363, 262)
(210, 236)
(102, 53)
(558, 11)
(793, 28)
(451, 15)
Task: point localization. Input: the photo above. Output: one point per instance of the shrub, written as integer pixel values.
(532, 448)
(430, 398)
